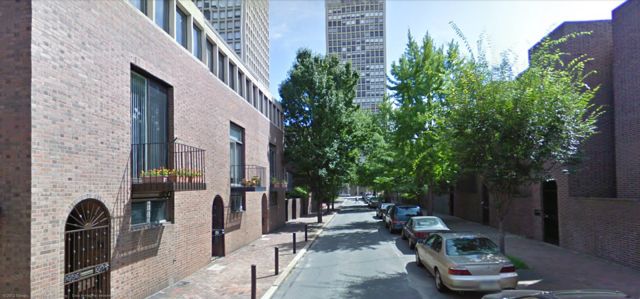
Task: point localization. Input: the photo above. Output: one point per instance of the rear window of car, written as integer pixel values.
(408, 211)
(427, 222)
(470, 246)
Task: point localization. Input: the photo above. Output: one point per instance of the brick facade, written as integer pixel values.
(598, 201)
(66, 126)
(15, 144)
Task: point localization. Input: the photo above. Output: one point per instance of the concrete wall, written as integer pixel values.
(15, 147)
(83, 52)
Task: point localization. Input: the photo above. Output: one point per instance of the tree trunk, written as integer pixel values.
(317, 198)
(333, 207)
(501, 231)
(430, 202)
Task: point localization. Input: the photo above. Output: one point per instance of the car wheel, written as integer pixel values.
(404, 237)
(418, 261)
(439, 284)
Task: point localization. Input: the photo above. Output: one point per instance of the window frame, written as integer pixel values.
(148, 211)
(183, 28)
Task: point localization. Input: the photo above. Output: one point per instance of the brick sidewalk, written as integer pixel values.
(557, 268)
(230, 276)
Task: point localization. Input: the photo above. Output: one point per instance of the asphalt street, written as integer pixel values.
(356, 257)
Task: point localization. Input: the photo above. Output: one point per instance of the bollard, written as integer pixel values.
(253, 281)
(277, 270)
(305, 232)
(294, 243)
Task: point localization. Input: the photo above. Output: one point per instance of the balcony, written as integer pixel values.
(248, 178)
(278, 182)
(161, 167)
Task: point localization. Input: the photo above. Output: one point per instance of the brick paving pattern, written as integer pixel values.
(230, 276)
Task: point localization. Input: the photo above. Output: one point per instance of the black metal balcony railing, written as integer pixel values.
(278, 181)
(167, 167)
(247, 178)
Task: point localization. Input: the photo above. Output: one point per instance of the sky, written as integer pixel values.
(507, 25)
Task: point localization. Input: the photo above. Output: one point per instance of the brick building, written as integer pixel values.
(135, 146)
(593, 208)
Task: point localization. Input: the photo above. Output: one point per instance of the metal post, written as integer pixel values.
(253, 281)
(277, 270)
(294, 243)
(305, 232)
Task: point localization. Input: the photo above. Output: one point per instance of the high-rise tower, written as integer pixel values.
(244, 25)
(355, 32)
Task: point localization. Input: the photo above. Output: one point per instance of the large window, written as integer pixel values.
(149, 123)
(162, 14)
(210, 56)
(237, 202)
(236, 152)
(149, 211)
(197, 41)
(181, 27)
(221, 63)
(140, 5)
(232, 76)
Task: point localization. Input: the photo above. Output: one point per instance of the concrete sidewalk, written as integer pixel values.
(556, 268)
(230, 276)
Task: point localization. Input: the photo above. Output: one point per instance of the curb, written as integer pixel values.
(285, 273)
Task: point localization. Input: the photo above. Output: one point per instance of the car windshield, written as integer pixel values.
(470, 246)
(404, 213)
(427, 222)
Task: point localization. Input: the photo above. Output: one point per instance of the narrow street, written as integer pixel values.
(356, 257)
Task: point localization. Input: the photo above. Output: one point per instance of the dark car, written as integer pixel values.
(382, 209)
(374, 202)
(398, 216)
(419, 228)
(571, 294)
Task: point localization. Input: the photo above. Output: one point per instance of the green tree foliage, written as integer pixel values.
(321, 140)
(419, 82)
(509, 129)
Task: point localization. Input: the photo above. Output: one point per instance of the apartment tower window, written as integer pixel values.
(181, 28)
(162, 14)
(197, 42)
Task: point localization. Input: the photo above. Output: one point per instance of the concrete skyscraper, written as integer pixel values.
(244, 25)
(355, 32)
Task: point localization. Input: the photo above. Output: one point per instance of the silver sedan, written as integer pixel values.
(465, 262)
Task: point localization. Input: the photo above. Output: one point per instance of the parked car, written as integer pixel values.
(374, 202)
(419, 228)
(569, 294)
(382, 209)
(466, 262)
(398, 215)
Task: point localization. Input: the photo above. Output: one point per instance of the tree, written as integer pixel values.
(420, 120)
(320, 140)
(508, 129)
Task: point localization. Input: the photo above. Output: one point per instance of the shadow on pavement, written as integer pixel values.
(403, 246)
(416, 272)
(348, 241)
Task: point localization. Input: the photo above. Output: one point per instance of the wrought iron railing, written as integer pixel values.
(247, 177)
(278, 181)
(167, 167)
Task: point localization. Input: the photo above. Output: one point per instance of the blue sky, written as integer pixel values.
(507, 25)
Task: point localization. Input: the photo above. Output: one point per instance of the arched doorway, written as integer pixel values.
(87, 251)
(265, 214)
(217, 227)
(550, 212)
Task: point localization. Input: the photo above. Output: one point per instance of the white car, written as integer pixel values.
(466, 262)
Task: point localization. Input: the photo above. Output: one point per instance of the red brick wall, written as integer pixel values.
(626, 80)
(15, 147)
(595, 175)
(82, 57)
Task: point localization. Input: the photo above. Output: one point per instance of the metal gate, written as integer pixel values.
(87, 251)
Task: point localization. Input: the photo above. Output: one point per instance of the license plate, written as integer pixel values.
(489, 285)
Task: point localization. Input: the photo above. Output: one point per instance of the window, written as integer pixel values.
(141, 5)
(149, 124)
(272, 162)
(240, 83)
(162, 14)
(181, 28)
(210, 56)
(236, 152)
(232, 76)
(197, 42)
(149, 211)
(237, 202)
(221, 63)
